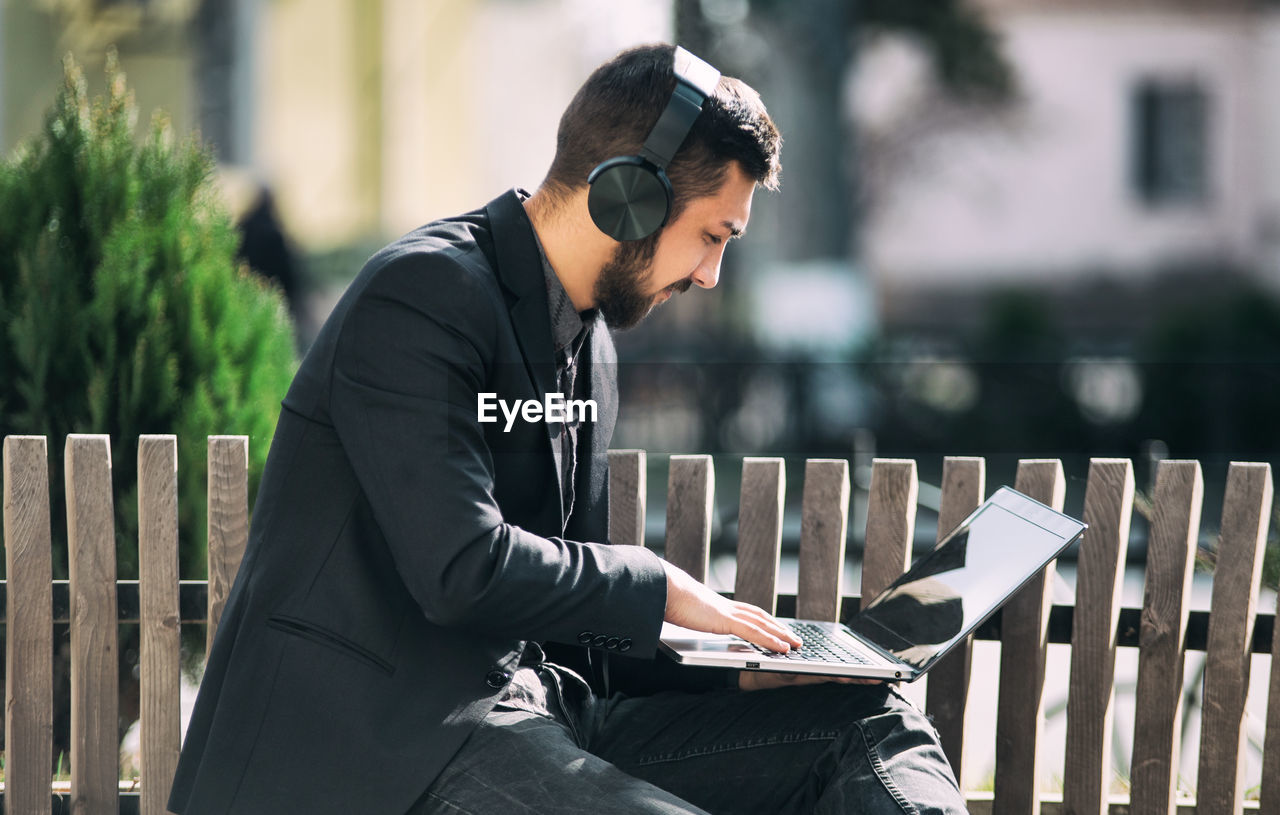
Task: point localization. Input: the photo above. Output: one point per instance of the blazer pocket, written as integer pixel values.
(322, 636)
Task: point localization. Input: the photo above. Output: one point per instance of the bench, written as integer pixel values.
(1163, 630)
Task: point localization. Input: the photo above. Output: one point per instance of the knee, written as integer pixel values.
(902, 749)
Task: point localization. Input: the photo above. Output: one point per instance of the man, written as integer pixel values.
(428, 618)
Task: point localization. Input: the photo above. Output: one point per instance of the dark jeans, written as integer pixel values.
(551, 746)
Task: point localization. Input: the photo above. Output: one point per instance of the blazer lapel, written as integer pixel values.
(520, 270)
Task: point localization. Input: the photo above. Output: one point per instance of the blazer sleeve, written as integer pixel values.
(409, 363)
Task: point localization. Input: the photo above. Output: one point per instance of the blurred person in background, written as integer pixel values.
(265, 248)
(428, 617)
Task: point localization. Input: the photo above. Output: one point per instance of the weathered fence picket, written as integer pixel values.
(627, 491)
(28, 724)
(1108, 510)
(689, 507)
(824, 520)
(91, 544)
(1269, 794)
(1175, 527)
(964, 482)
(159, 613)
(228, 488)
(764, 483)
(1246, 516)
(1023, 649)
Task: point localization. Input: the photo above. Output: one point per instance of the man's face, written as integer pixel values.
(687, 251)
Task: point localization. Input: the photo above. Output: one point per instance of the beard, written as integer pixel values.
(620, 290)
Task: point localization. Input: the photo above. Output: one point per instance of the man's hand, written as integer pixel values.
(692, 605)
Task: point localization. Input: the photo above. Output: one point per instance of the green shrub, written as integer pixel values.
(123, 307)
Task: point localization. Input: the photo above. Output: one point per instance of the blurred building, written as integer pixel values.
(365, 117)
(1144, 149)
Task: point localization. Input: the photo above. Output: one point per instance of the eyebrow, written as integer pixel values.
(734, 231)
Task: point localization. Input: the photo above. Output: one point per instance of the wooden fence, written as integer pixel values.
(93, 601)
(1163, 629)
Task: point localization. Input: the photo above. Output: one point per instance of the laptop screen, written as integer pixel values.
(951, 590)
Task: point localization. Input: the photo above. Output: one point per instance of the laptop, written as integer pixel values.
(909, 626)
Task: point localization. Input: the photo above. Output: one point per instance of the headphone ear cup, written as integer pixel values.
(629, 199)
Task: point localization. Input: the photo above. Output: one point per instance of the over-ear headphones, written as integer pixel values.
(630, 196)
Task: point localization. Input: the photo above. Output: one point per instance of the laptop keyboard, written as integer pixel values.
(819, 646)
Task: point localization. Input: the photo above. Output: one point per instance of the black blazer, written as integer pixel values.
(401, 552)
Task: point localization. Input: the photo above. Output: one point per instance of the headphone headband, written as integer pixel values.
(696, 72)
(695, 81)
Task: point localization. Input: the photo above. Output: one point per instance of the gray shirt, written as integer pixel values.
(569, 331)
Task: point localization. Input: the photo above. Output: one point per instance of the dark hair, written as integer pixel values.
(617, 106)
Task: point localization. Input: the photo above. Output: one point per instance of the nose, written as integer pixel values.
(708, 272)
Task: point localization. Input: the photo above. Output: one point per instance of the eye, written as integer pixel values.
(712, 238)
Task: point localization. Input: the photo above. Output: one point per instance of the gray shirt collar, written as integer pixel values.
(566, 322)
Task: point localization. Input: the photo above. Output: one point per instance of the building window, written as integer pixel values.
(1170, 150)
